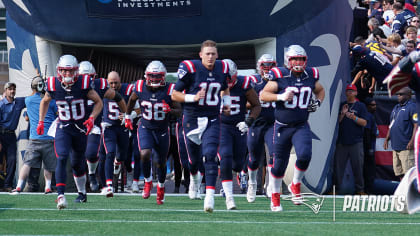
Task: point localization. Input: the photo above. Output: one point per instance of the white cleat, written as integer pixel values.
(275, 203)
(61, 202)
(230, 203)
(135, 187)
(109, 191)
(209, 204)
(192, 190)
(251, 193)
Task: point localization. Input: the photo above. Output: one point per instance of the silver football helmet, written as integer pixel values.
(233, 72)
(86, 68)
(155, 74)
(265, 63)
(67, 69)
(294, 52)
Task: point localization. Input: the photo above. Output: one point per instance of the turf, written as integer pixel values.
(129, 215)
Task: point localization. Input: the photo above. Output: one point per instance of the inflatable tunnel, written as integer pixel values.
(124, 35)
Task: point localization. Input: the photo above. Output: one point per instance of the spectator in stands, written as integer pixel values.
(10, 109)
(388, 17)
(40, 147)
(374, 63)
(365, 84)
(352, 120)
(387, 5)
(402, 18)
(369, 143)
(402, 132)
(410, 34)
(375, 10)
(372, 24)
(394, 41)
(415, 21)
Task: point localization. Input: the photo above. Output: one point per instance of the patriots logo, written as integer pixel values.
(181, 73)
(311, 200)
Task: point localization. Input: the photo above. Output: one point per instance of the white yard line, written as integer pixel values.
(210, 222)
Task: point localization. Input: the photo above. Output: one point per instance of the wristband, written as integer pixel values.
(226, 100)
(355, 120)
(189, 98)
(281, 97)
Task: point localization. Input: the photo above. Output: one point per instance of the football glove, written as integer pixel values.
(314, 104)
(166, 107)
(40, 128)
(242, 126)
(128, 123)
(89, 124)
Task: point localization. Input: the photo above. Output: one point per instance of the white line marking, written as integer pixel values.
(208, 222)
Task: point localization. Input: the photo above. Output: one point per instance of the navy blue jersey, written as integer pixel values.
(151, 104)
(193, 76)
(111, 109)
(377, 66)
(296, 111)
(71, 103)
(267, 108)
(238, 98)
(101, 86)
(401, 21)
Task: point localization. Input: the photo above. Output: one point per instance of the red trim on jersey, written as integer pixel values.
(190, 66)
(103, 83)
(60, 184)
(316, 73)
(245, 85)
(277, 72)
(129, 89)
(171, 89)
(139, 85)
(225, 67)
(51, 83)
(86, 81)
(253, 78)
(417, 69)
(211, 187)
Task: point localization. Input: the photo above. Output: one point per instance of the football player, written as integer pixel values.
(261, 132)
(291, 88)
(235, 126)
(155, 101)
(71, 93)
(114, 133)
(94, 138)
(205, 84)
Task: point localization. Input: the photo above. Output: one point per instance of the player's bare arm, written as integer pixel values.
(178, 96)
(269, 93)
(131, 102)
(254, 103)
(319, 91)
(98, 105)
(43, 106)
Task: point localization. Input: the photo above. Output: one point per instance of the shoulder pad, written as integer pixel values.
(276, 72)
(139, 85)
(51, 84)
(171, 88)
(86, 80)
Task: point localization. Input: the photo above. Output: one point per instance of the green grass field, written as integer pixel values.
(130, 214)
